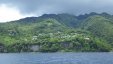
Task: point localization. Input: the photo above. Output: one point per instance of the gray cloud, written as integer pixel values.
(39, 7)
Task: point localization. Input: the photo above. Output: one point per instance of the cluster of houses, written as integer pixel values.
(59, 35)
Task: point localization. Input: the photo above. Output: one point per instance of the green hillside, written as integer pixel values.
(58, 32)
(99, 26)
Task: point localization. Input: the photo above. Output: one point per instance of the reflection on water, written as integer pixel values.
(56, 58)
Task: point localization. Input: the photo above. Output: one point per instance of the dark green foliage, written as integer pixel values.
(58, 32)
(100, 27)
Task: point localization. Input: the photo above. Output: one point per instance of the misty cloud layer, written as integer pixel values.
(38, 7)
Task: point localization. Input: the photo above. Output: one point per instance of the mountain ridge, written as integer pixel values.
(58, 32)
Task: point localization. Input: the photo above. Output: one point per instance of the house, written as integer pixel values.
(87, 38)
(34, 37)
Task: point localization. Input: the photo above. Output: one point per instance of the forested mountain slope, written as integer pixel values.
(58, 32)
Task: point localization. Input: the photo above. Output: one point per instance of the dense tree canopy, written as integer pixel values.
(62, 32)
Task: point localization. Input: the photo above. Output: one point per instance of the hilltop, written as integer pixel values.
(58, 32)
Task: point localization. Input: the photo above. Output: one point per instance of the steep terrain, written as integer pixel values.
(58, 32)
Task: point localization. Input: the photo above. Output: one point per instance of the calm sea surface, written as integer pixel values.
(56, 58)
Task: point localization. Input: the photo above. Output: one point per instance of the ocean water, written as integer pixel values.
(56, 58)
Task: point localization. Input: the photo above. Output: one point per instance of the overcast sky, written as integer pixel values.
(16, 9)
